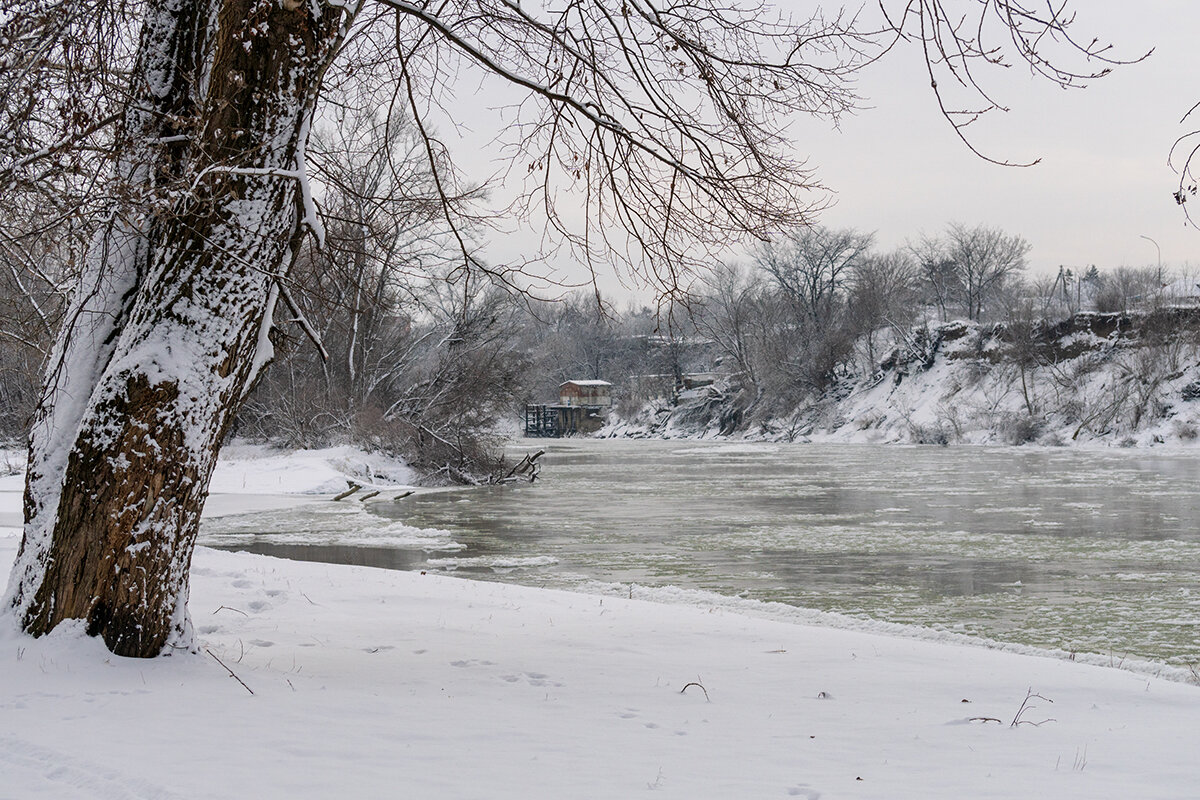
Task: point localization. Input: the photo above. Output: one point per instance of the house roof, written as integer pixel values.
(585, 383)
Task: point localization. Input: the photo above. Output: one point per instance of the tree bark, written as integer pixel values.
(120, 470)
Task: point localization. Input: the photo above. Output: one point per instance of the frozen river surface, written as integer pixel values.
(1085, 551)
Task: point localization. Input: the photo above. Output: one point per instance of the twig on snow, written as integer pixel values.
(1029, 695)
(232, 674)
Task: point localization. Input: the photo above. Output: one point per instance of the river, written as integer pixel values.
(1089, 551)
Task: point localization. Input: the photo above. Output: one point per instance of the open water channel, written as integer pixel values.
(1082, 550)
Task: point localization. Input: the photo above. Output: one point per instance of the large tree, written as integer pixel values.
(663, 120)
(986, 258)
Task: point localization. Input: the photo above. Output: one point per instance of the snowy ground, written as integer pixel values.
(368, 683)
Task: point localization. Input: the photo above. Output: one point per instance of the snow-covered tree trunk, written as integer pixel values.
(169, 326)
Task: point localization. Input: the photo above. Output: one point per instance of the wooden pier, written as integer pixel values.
(556, 421)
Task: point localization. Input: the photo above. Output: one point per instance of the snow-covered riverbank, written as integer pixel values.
(1094, 380)
(376, 684)
(371, 683)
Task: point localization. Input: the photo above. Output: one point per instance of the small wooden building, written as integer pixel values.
(582, 406)
(588, 394)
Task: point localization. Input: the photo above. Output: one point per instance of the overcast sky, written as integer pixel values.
(1103, 181)
(1102, 184)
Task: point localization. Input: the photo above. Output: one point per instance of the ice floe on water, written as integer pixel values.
(491, 562)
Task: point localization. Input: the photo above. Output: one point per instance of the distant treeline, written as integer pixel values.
(397, 356)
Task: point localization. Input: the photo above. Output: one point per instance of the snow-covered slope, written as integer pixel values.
(261, 469)
(1102, 379)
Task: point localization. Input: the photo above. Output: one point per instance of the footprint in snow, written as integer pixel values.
(538, 679)
(532, 678)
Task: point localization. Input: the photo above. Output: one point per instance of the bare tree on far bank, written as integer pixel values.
(968, 267)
